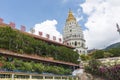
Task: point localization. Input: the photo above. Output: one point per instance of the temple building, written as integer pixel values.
(73, 34)
(24, 55)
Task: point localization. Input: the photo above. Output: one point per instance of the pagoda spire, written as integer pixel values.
(70, 16)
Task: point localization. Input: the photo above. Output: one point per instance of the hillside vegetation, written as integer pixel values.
(16, 41)
(116, 45)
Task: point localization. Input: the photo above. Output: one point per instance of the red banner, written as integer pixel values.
(54, 38)
(48, 36)
(12, 25)
(23, 28)
(40, 33)
(60, 39)
(1, 20)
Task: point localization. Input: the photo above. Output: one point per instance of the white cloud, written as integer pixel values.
(78, 15)
(47, 27)
(101, 24)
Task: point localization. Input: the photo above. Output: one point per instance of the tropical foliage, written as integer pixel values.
(32, 67)
(21, 43)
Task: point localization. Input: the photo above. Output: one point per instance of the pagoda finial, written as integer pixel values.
(70, 16)
(70, 10)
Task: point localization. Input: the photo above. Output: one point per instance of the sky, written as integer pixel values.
(97, 18)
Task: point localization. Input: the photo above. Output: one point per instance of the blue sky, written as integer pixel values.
(97, 18)
(29, 12)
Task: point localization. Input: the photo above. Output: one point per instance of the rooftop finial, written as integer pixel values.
(70, 10)
(70, 16)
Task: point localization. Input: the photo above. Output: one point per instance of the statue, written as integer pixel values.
(118, 28)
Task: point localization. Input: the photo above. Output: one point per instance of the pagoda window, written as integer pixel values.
(80, 51)
(72, 43)
(67, 43)
(75, 43)
(82, 44)
(78, 43)
(75, 35)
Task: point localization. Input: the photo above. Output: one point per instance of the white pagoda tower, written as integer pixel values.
(73, 34)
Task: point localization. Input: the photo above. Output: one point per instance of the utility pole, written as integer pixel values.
(118, 28)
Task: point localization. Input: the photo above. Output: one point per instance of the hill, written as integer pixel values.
(115, 45)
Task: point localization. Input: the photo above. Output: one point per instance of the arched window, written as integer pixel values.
(72, 43)
(80, 51)
(78, 43)
(75, 43)
(82, 44)
(67, 43)
(83, 51)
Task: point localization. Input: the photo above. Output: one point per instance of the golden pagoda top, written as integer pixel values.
(70, 16)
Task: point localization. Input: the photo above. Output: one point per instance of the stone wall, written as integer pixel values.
(86, 76)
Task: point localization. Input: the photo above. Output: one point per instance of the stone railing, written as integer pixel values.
(29, 76)
(110, 61)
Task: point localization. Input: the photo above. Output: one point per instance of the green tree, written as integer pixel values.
(84, 57)
(107, 54)
(98, 54)
(115, 52)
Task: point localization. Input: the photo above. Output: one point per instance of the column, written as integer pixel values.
(30, 77)
(12, 76)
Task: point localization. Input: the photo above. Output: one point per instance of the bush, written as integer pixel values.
(106, 72)
(93, 67)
